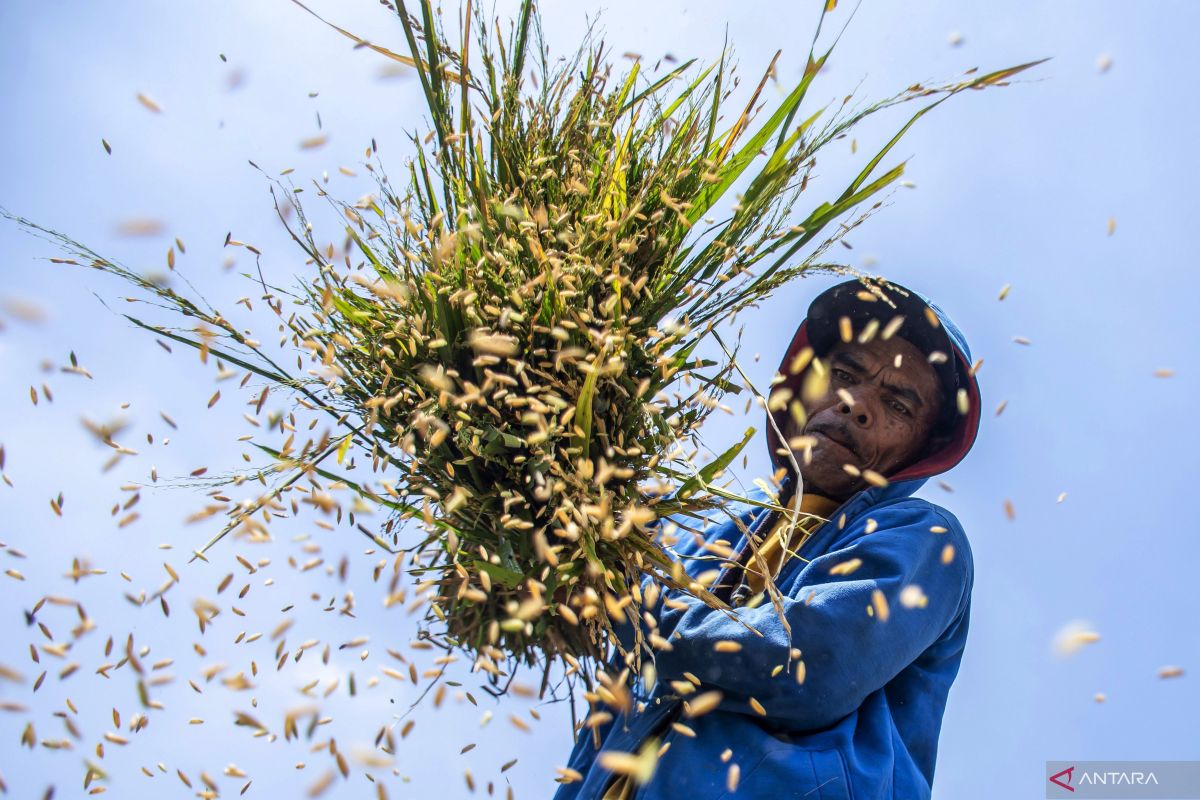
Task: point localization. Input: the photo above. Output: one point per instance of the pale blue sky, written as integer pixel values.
(1013, 186)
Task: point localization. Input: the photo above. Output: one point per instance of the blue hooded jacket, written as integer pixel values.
(864, 723)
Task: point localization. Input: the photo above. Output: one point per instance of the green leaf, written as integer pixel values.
(344, 448)
(350, 312)
(522, 37)
(223, 354)
(663, 81)
(430, 82)
(719, 383)
(822, 215)
(710, 470)
(369, 254)
(498, 443)
(589, 551)
(583, 410)
(507, 578)
(737, 165)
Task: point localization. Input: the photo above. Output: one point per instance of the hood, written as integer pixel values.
(915, 475)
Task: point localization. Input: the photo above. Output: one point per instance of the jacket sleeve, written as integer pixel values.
(847, 651)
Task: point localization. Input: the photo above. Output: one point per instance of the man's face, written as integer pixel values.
(892, 415)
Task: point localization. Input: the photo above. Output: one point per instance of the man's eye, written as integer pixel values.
(896, 404)
(840, 374)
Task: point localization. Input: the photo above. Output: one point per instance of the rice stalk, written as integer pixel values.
(513, 343)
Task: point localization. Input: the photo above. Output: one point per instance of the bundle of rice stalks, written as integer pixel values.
(514, 341)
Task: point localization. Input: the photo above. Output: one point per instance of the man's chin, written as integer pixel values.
(822, 484)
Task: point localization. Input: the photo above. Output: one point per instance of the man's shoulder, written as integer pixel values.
(917, 512)
(917, 509)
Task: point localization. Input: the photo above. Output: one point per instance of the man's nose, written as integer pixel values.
(859, 411)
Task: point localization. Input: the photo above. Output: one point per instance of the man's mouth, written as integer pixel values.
(839, 438)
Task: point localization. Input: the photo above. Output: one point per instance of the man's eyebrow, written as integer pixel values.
(850, 361)
(904, 391)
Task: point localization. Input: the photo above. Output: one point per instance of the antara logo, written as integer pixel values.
(1117, 778)
(1098, 778)
(1056, 778)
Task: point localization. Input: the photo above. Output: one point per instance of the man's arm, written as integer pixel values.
(847, 651)
(681, 536)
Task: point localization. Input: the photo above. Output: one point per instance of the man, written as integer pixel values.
(845, 700)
